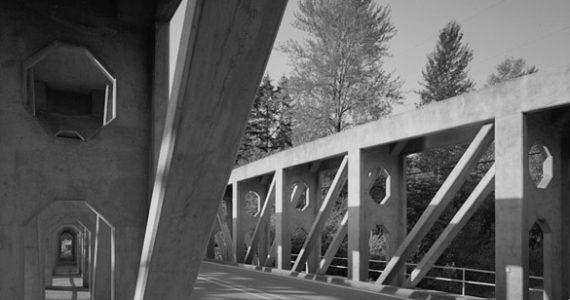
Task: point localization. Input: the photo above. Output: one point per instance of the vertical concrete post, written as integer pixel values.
(397, 223)
(357, 227)
(282, 234)
(244, 223)
(237, 237)
(565, 262)
(33, 272)
(103, 276)
(511, 231)
(313, 195)
(11, 262)
(87, 257)
(546, 201)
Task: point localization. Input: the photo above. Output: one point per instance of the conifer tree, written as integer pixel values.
(269, 125)
(510, 68)
(445, 74)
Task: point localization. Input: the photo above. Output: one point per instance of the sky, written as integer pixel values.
(538, 31)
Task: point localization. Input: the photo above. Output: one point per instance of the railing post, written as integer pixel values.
(463, 281)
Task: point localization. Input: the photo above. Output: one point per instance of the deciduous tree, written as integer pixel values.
(338, 76)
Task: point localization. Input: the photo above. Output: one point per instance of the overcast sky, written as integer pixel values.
(538, 31)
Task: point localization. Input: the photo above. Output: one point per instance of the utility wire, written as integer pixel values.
(462, 21)
(523, 44)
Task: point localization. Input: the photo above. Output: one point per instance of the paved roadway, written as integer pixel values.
(218, 282)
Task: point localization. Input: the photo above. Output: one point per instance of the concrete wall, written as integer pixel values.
(109, 171)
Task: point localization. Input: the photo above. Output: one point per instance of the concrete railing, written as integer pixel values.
(515, 115)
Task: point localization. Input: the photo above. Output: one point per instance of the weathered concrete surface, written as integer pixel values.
(224, 48)
(543, 90)
(533, 110)
(364, 214)
(110, 171)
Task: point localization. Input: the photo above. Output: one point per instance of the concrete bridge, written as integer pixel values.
(119, 132)
(515, 116)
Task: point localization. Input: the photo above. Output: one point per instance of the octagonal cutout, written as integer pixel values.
(69, 91)
(300, 196)
(540, 165)
(252, 203)
(379, 190)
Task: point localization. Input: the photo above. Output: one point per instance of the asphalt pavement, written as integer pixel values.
(217, 281)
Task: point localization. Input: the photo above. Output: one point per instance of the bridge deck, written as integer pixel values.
(216, 281)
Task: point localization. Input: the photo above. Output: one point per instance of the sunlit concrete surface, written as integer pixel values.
(216, 281)
(76, 294)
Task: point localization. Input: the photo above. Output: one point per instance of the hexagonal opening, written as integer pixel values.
(69, 90)
(540, 165)
(252, 204)
(380, 188)
(300, 196)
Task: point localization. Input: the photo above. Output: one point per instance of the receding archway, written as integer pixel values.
(67, 252)
(66, 245)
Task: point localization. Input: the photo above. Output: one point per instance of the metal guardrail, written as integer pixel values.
(463, 280)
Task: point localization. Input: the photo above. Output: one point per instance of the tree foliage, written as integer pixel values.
(445, 74)
(269, 125)
(338, 77)
(510, 68)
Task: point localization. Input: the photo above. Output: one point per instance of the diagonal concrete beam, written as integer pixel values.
(227, 248)
(223, 51)
(260, 226)
(324, 212)
(463, 215)
(270, 259)
(444, 195)
(339, 236)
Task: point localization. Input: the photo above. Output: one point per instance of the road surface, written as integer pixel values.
(217, 281)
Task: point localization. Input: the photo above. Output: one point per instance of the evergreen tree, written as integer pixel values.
(269, 125)
(445, 74)
(338, 77)
(510, 68)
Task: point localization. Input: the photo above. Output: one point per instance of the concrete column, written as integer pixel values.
(545, 202)
(237, 237)
(11, 262)
(357, 227)
(565, 211)
(103, 259)
(32, 273)
(282, 233)
(86, 272)
(511, 231)
(243, 221)
(394, 211)
(304, 218)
